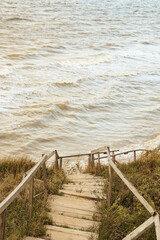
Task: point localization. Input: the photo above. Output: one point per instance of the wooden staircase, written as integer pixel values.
(74, 212)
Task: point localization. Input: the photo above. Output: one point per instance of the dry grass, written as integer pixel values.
(126, 212)
(18, 224)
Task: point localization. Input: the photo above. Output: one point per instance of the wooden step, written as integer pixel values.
(33, 238)
(83, 194)
(84, 177)
(74, 223)
(60, 233)
(84, 186)
(89, 181)
(80, 189)
(71, 212)
(75, 203)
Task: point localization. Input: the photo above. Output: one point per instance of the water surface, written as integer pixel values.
(78, 74)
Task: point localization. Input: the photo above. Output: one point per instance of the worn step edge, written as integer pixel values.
(70, 231)
(33, 238)
(76, 214)
(72, 202)
(72, 222)
(82, 195)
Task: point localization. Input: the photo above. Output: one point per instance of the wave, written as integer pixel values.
(86, 61)
(17, 19)
(125, 74)
(65, 84)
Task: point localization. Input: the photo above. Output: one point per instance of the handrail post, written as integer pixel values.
(2, 225)
(114, 157)
(60, 164)
(93, 163)
(134, 155)
(110, 180)
(56, 160)
(99, 164)
(157, 226)
(89, 162)
(45, 178)
(31, 191)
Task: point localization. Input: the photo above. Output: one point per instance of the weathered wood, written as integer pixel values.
(157, 225)
(60, 162)
(99, 164)
(31, 191)
(98, 150)
(45, 177)
(134, 155)
(8, 200)
(76, 155)
(84, 154)
(130, 186)
(140, 230)
(113, 157)
(89, 163)
(121, 153)
(56, 160)
(2, 225)
(92, 159)
(110, 181)
(126, 152)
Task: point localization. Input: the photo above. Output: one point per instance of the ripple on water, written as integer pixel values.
(76, 75)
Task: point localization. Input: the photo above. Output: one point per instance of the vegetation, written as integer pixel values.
(126, 212)
(18, 224)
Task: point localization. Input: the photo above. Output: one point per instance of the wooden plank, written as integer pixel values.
(82, 155)
(8, 200)
(126, 152)
(60, 164)
(31, 191)
(140, 230)
(45, 177)
(134, 155)
(2, 225)
(110, 182)
(98, 150)
(76, 155)
(92, 160)
(130, 186)
(99, 164)
(56, 160)
(89, 163)
(157, 225)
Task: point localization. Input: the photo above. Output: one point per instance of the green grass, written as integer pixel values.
(126, 212)
(18, 224)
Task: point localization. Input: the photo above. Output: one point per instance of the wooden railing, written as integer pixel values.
(153, 220)
(28, 179)
(111, 156)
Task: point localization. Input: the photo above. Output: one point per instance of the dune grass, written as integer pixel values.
(126, 212)
(18, 224)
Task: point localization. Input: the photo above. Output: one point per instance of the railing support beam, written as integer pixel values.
(45, 178)
(2, 225)
(110, 181)
(31, 191)
(60, 163)
(157, 226)
(56, 160)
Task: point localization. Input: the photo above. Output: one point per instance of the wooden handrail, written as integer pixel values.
(155, 219)
(121, 153)
(84, 154)
(126, 152)
(75, 155)
(130, 186)
(98, 150)
(8, 200)
(141, 229)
